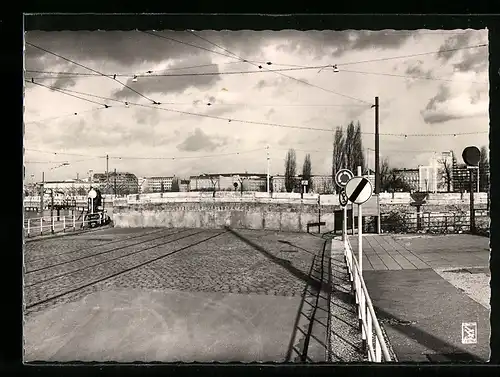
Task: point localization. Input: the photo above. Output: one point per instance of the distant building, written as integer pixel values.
(409, 177)
(226, 182)
(184, 185)
(69, 187)
(278, 183)
(118, 183)
(158, 184)
(322, 184)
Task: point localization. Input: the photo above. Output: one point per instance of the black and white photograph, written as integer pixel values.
(256, 196)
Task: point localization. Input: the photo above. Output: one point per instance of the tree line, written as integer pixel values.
(348, 153)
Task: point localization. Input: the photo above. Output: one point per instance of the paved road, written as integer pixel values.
(424, 288)
(173, 295)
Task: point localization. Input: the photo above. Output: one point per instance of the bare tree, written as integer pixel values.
(338, 151)
(290, 170)
(390, 180)
(348, 149)
(447, 171)
(484, 168)
(306, 171)
(357, 152)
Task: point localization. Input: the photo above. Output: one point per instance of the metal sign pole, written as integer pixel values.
(360, 239)
(344, 224)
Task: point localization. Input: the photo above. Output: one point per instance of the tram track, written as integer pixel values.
(49, 266)
(83, 268)
(92, 247)
(53, 293)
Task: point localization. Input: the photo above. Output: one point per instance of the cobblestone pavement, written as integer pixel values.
(254, 262)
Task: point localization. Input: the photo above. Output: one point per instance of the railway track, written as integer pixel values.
(51, 272)
(64, 287)
(96, 250)
(27, 249)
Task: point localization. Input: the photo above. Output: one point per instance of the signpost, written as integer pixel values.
(358, 191)
(304, 183)
(471, 156)
(92, 195)
(341, 178)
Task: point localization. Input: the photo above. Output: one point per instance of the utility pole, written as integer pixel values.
(377, 148)
(268, 189)
(377, 162)
(107, 172)
(114, 188)
(42, 190)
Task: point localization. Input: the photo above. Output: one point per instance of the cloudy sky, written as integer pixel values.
(199, 109)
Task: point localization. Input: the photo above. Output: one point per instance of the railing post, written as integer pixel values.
(74, 221)
(369, 332)
(362, 311)
(52, 224)
(378, 351)
(64, 223)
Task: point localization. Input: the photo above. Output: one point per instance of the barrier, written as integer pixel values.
(370, 326)
(54, 226)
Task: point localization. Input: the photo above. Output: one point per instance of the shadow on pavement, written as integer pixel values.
(412, 332)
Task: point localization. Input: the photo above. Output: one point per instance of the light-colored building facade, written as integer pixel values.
(278, 183)
(410, 177)
(322, 184)
(226, 182)
(158, 184)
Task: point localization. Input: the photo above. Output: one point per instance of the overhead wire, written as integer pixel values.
(146, 158)
(68, 94)
(127, 103)
(279, 73)
(241, 60)
(90, 69)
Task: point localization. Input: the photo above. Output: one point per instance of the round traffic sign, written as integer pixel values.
(343, 176)
(343, 198)
(471, 156)
(92, 194)
(358, 190)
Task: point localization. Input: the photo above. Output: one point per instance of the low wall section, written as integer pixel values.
(216, 214)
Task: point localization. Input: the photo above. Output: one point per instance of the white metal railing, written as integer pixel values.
(376, 345)
(56, 224)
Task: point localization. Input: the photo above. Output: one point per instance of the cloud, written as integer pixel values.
(474, 59)
(149, 117)
(270, 112)
(199, 141)
(281, 85)
(448, 105)
(337, 43)
(173, 84)
(454, 42)
(118, 47)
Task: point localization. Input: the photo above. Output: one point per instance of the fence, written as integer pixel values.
(437, 222)
(52, 225)
(371, 333)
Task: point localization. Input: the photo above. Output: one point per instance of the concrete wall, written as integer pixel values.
(216, 214)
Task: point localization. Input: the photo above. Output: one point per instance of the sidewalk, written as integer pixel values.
(421, 312)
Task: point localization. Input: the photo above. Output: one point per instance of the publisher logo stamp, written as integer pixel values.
(469, 333)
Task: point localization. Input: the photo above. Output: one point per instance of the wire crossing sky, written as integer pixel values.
(164, 103)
